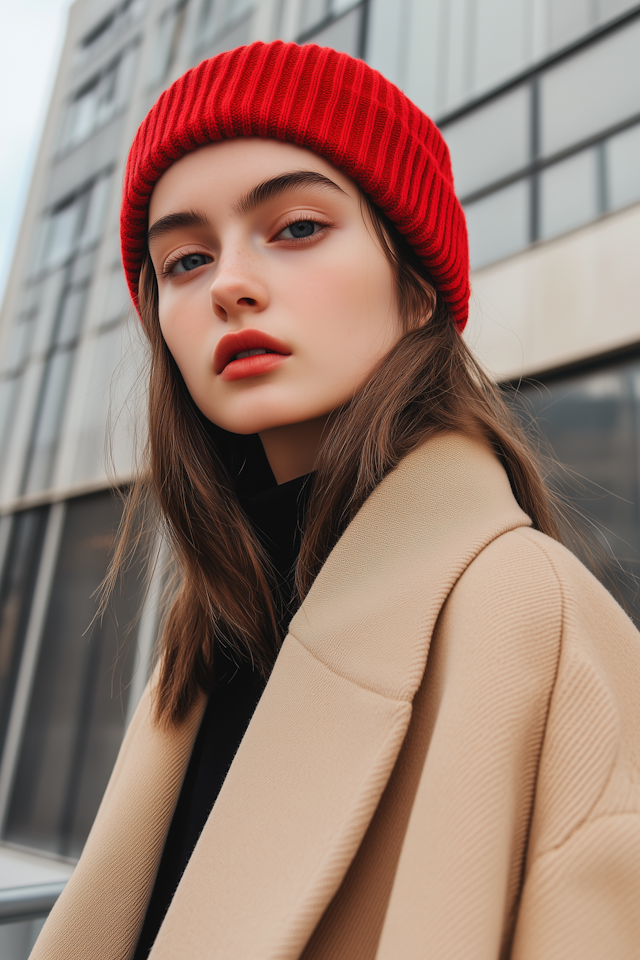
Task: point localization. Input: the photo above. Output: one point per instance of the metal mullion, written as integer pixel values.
(364, 30)
(541, 163)
(541, 67)
(601, 160)
(29, 660)
(534, 153)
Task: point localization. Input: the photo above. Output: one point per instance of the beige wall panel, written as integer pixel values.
(561, 301)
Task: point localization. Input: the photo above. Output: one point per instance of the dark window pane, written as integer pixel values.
(16, 592)
(592, 422)
(71, 316)
(78, 704)
(569, 20)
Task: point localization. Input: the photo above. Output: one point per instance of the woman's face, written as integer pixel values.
(275, 299)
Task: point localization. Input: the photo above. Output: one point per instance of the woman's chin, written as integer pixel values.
(259, 423)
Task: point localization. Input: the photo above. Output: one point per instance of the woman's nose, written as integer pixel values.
(237, 288)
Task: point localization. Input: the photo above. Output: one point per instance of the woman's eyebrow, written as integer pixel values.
(269, 189)
(176, 221)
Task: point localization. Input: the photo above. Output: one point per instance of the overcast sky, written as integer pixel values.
(30, 44)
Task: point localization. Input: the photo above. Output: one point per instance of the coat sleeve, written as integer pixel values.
(524, 836)
(581, 893)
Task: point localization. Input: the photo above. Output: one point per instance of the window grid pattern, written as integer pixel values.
(591, 420)
(167, 42)
(99, 100)
(537, 160)
(109, 30)
(46, 333)
(75, 711)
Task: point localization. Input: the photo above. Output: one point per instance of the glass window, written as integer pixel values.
(207, 26)
(166, 44)
(569, 20)
(569, 194)
(122, 83)
(591, 91)
(16, 593)
(623, 168)
(311, 13)
(18, 433)
(97, 102)
(233, 35)
(498, 224)
(112, 360)
(76, 714)
(48, 421)
(499, 30)
(591, 421)
(9, 393)
(83, 267)
(80, 114)
(116, 303)
(98, 32)
(71, 316)
(17, 940)
(50, 292)
(63, 232)
(18, 346)
(38, 246)
(606, 9)
(96, 210)
(343, 34)
(491, 142)
(107, 29)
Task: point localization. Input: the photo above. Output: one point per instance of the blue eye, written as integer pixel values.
(300, 229)
(191, 262)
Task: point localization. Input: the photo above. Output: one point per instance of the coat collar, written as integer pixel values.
(325, 736)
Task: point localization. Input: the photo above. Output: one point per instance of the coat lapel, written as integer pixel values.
(324, 739)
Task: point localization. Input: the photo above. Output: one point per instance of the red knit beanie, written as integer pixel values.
(330, 103)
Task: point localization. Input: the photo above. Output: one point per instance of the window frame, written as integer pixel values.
(532, 170)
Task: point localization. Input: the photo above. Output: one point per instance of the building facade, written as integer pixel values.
(539, 101)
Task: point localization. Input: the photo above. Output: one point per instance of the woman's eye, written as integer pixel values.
(300, 229)
(190, 262)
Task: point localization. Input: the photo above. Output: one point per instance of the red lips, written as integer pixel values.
(233, 343)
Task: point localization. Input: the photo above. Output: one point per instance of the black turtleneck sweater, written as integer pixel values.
(276, 515)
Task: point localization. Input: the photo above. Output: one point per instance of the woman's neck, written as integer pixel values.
(292, 449)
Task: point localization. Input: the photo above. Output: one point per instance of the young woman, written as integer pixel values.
(439, 755)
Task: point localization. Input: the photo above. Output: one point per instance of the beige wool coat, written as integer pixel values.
(445, 764)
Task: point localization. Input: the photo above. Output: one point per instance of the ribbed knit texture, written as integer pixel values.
(330, 103)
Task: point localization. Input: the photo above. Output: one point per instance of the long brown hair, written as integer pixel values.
(428, 383)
